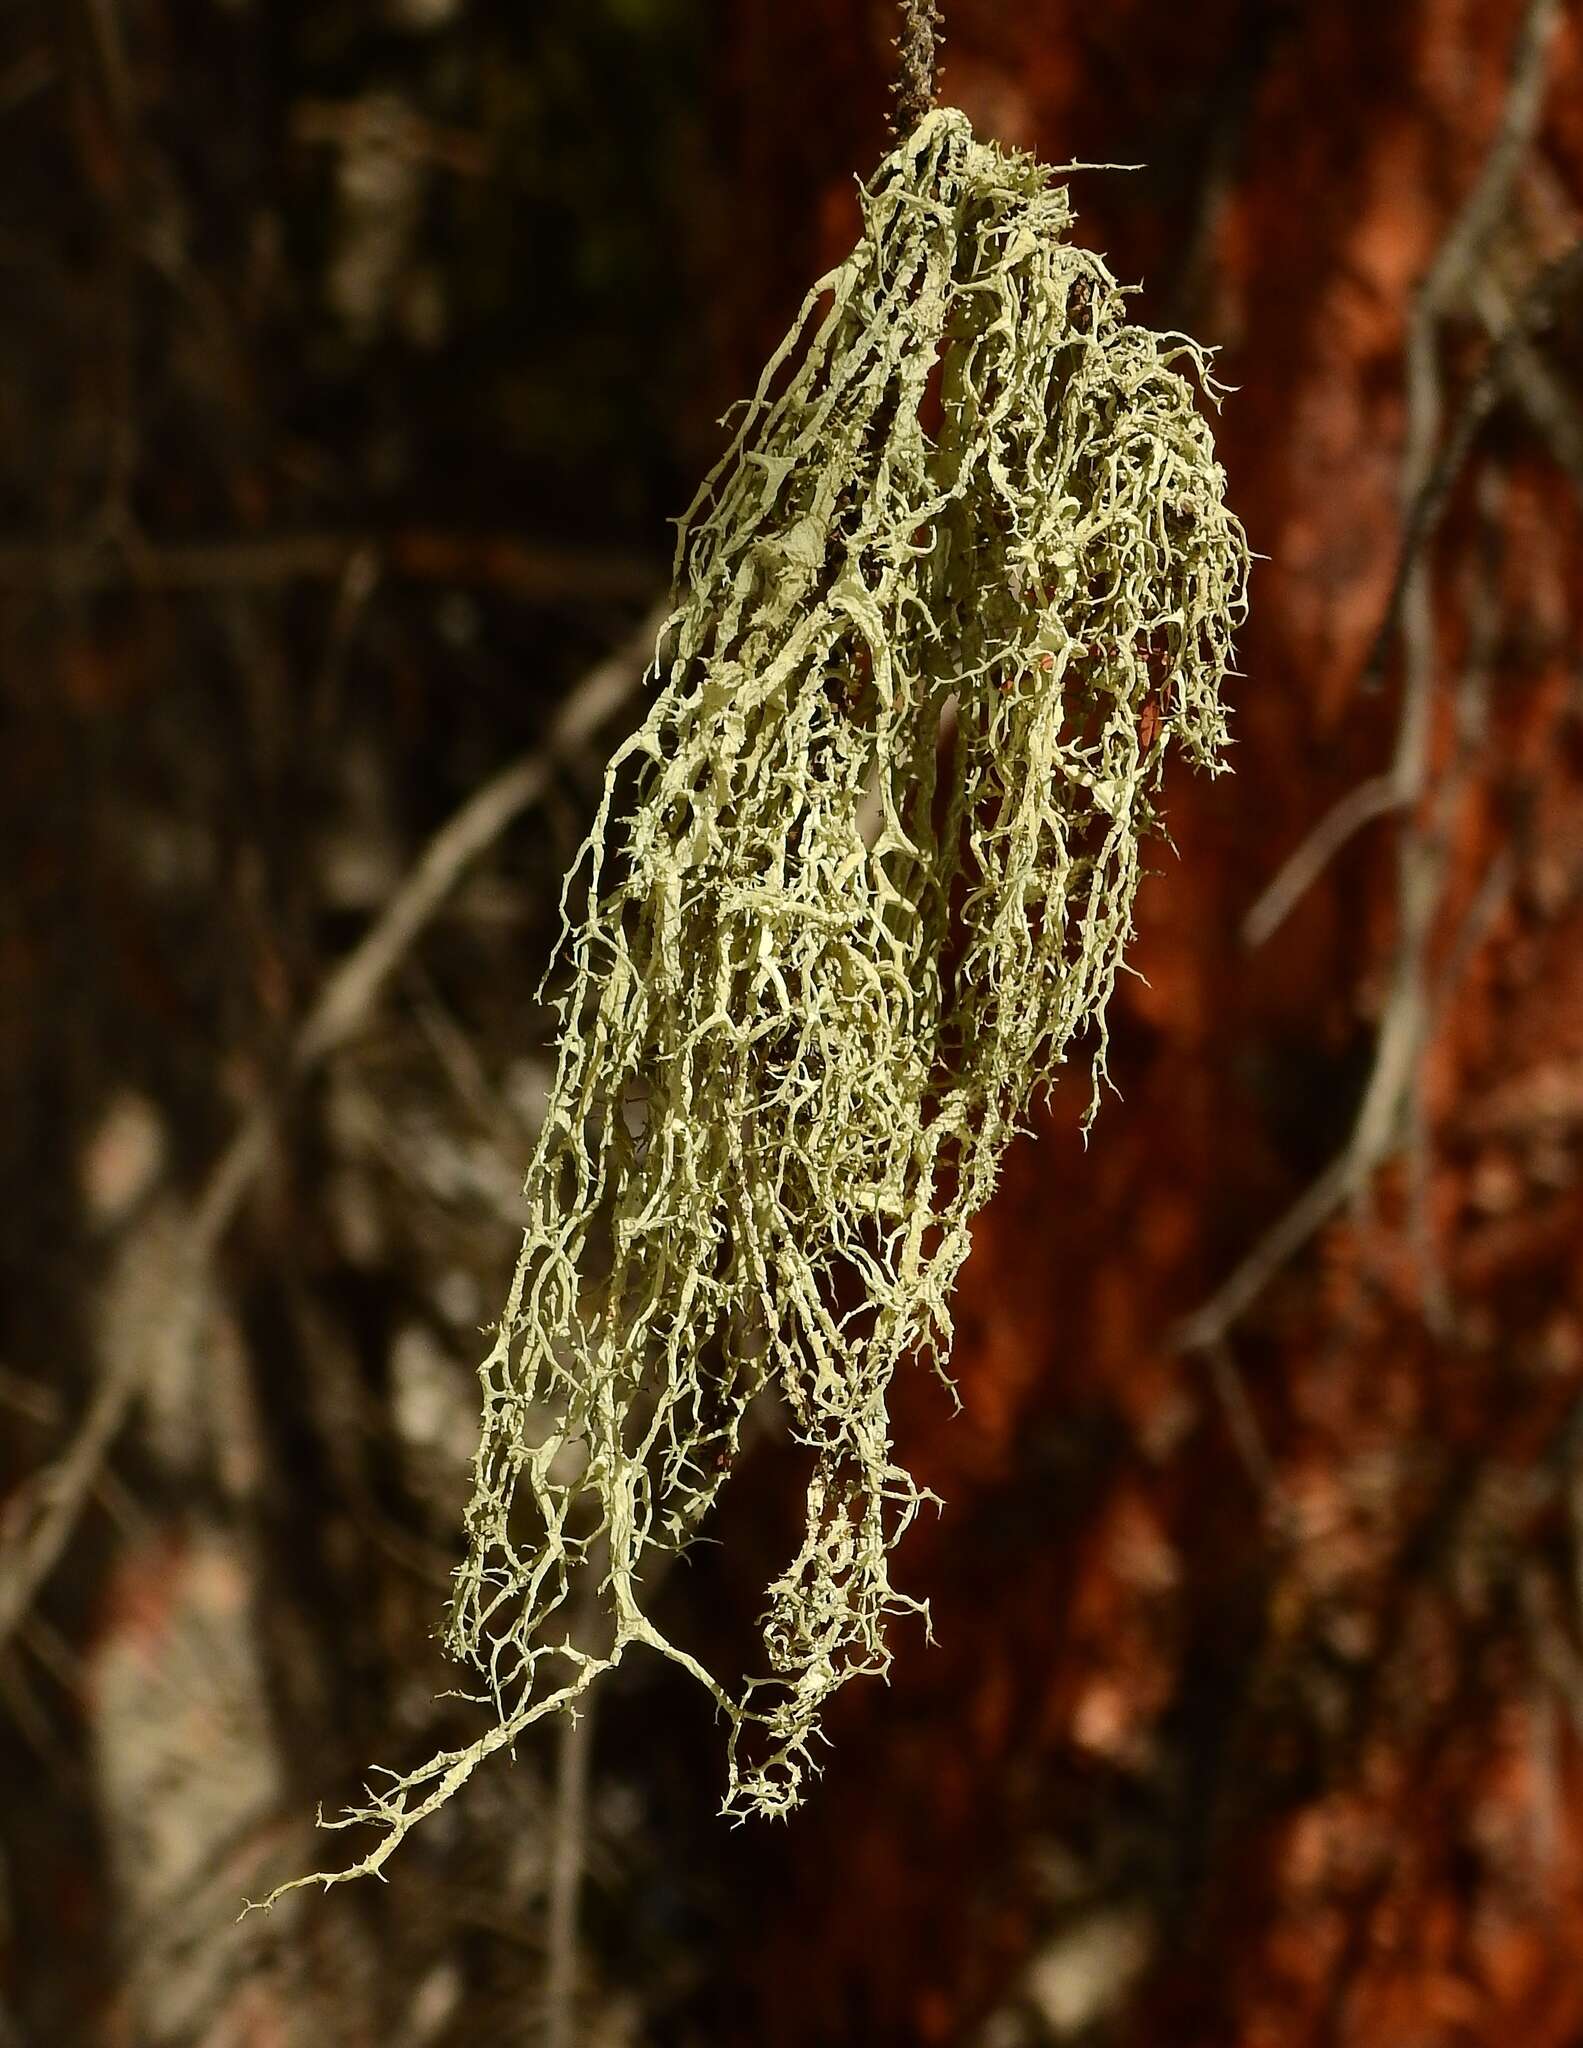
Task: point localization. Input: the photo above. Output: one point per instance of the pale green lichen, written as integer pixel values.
(854, 887)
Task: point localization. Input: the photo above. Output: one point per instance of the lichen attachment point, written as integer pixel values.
(855, 887)
(918, 63)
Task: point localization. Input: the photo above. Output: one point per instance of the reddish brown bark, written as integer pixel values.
(1304, 1735)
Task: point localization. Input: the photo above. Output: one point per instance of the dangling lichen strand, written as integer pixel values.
(855, 886)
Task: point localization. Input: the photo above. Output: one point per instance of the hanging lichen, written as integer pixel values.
(862, 876)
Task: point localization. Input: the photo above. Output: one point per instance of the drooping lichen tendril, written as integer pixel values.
(856, 885)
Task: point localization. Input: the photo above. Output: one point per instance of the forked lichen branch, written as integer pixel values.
(853, 890)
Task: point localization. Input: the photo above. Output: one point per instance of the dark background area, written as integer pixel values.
(352, 360)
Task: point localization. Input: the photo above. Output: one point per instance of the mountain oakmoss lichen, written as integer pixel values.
(863, 874)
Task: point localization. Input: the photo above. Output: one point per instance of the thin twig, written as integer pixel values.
(569, 1830)
(1313, 1209)
(1543, 396)
(31, 1719)
(1489, 899)
(1301, 869)
(1391, 1099)
(1427, 480)
(1392, 1108)
(29, 1398)
(358, 580)
(566, 1873)
(1430, 847)
(916, 82)
(1242, 1423)
(376, 121)
(59, 1495)
(349, 991)
(1536, 311)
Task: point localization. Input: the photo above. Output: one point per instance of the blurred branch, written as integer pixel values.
(350, 990)
(566, 1873)
(1551, 409)
(520, 568)
(1242, 1422)
(34, 1723)
(28, 1397)
(1507, 366)
(1210, 1324)
(59, 1495)
(1424, 863)
(1516, 366)
(1428, 480)
(377, 121)
(1391, 1109)
(1298, 873)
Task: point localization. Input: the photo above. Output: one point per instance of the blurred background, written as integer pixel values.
(353, 356)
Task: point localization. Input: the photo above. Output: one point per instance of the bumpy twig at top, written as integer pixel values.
(915, 86)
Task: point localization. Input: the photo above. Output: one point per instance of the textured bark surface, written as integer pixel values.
(1253, 1724)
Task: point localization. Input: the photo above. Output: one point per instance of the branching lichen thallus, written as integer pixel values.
(859, 880)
